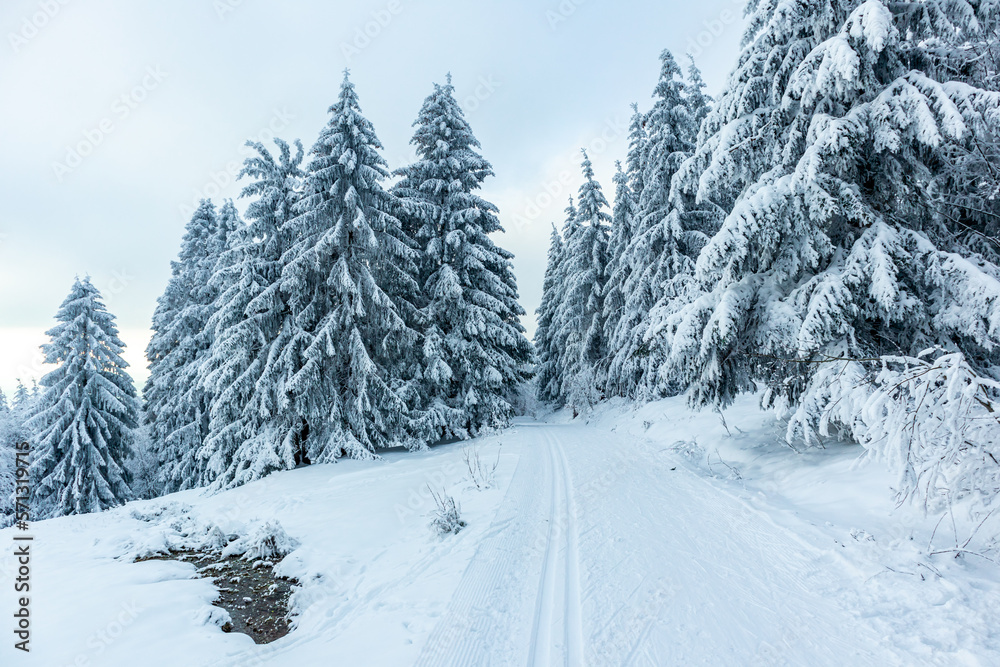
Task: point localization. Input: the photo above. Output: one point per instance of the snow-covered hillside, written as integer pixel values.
(626, 537)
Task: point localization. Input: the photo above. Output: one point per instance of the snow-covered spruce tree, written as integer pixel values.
(580, 315)
(84, 422)
(346, 281)
(21, 401)
(547, 377)
(628, 188)
(250, 323)
(176, 406)
(618, 270)
(474, 347)
(557, 334)
(659, 249)
(829, 251)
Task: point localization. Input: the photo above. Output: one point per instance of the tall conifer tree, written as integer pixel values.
(475, 351)
(85, 420)
(349, 272)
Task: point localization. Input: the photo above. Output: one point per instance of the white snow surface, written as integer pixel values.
(646, 536)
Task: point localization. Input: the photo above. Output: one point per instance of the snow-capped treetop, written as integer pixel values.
(21, 398)
(591, 203)
(274, 191)
(697, 102)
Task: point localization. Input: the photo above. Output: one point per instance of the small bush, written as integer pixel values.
(447, 515)
(483, 475)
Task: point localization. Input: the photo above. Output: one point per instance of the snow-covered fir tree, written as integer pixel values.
(660, 250)
(832, 247)
(176, 405)
(628, 189)
(697, 101)
(22, 397)
(618, 270)
(349, 271)
(250, 323)
(580, 315)
(475, 353)
(559, 334)
(548, 382)
(84, 422)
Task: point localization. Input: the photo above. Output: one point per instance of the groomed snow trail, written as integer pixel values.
(519, 599)
(607, 551)
(557, 631)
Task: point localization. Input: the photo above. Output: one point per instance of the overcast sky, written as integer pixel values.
(116, 116)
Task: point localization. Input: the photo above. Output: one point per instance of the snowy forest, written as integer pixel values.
(343, 316)
(824, 233)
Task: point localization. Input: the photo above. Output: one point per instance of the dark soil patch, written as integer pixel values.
(256, 599)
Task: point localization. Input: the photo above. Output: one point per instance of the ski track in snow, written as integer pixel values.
(659, 579)
(557, 631)
(528, 568)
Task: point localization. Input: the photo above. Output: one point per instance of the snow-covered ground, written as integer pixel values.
(628, 537)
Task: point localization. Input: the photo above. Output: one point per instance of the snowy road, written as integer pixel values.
(599, 557)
